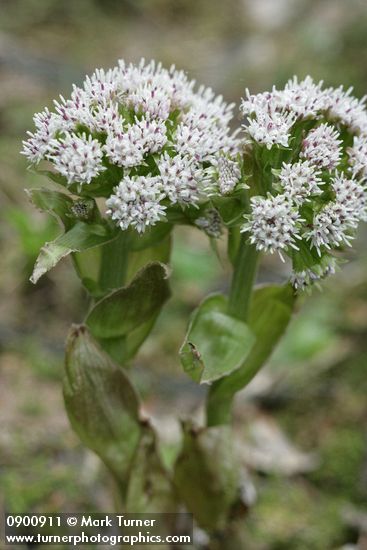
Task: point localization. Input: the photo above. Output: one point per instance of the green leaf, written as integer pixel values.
(80, 237)
(150, 488)
(101, 403)
(125, 309)
(64, 208)
(124, 348)
(137, 336)
(207, 475)
(122, 320)
(216, 344)
(55, 203)
(271, 310)
(270, 313)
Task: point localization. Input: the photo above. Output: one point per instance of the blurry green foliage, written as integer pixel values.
(290, 516)
(31, 235)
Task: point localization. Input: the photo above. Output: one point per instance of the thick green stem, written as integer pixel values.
(218, 412)
(244, 274)
(243, 280)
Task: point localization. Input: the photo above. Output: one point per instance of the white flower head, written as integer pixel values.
(303, 280)
(136, 202)
(102, 86)
(210, 223)
(152, 101)
(322, 147)
(38, 143)
(318, 177)
(271, 127)
(152, 134)
(189, 141)
(125, 148)
(229, 174)
(77, 158)
(73, 111)
(348, 109)
(182, 179)
(106, 118)
(273, 224)
(253, 103)
(299, 181)
(331, 227)
(352, 195)
(358, 156)
(305, 98)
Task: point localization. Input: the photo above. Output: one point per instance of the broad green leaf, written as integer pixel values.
(216, 344)
(124, 348)
(80, 237)
(129, 307)
(101, 403)
(150, 488)
(270, 313)
(63, 207)
(55, 203)
(207, 475)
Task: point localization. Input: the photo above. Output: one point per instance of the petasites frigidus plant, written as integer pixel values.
(132, 153)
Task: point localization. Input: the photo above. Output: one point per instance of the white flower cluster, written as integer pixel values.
(299, 181)
(136, 202)
(316, 192)
(358, 156)
(274, 224)
(122, 117)
(271, 116)
(303, 280)
(229, 174)
(322, 147)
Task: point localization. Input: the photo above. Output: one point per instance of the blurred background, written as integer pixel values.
(301, 424)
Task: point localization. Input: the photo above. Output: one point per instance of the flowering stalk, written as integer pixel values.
(243, 280)
(139, 149)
